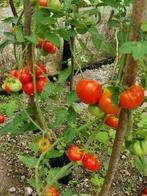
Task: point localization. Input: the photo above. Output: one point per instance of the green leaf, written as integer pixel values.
(144, 26)
(10, 20)
(10, 108)
(137, 49)
(30, 162)
(71, 118)
(10, 37)
(47, 90)
(19, 34)
(96, 38)
(102, 137)
(66, 34)
(53, 154)
(34, 147)
(138, 164)
(68, 192)
(115, 95)
(61, 116)
(71, 97)
(33, 38)
(69, 134)
(64, 75)
(3, 44)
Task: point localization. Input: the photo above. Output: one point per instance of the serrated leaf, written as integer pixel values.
(102, 137)
(10, 108)
(30, 162)
(66, 34)
(69, 134)
(96, 37)
(71, 118)
(47, 90)
(61, 116)
(3, 44)
(53, 154)
(71, 97)
(64, 75)
(33, 38)
(19, 34)
(10, 20)
(34, 147)
(138, 164)
(137, 49)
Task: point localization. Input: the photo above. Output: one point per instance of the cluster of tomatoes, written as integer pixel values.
(47, 46)
(23, 79)
(100, 100)
(89, 162)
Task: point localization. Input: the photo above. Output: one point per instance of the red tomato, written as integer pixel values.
(105, 103)
(43, 3)
(25, 77)
(88, 91)
(90, 162)
(112, 121)
(28, 88)
(50, 191)
(143, 194)
(145, 190)
(132, 97)
(40, 42)
(75, 153)
(14, 73)
(40, 84)
(6, 87)
(40, 70)
(49, 47)
(2, 118)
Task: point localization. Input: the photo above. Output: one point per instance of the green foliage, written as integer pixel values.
(68, 192)
(30, 162)
(102, 137)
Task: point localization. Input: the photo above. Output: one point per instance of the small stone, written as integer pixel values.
(12, 189)
(140, 179)
(23, 178)
(123, 157)
(28, 191)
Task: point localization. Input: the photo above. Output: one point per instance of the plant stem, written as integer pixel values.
(72, 63)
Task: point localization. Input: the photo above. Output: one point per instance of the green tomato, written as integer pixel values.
(137, 148)
(33, 2)
(15, 85)
(54, 5)
(96, 111)
(144, 146)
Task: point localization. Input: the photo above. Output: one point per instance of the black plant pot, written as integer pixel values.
(60, 162)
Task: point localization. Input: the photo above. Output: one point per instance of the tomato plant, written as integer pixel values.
(40, 84)
(105, 103)
(90, 162)
(2, 118)
(14, 73)
(75, 153)
(88, 91)
(28, 88)
(132, 97)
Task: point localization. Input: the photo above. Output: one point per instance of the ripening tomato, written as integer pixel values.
(88, 91)
(49, 47)
(143, 194)
(28, 88)
(132, 97)
(90, 162)
(40, 84)
(112, 121)
(6, 87)
(54, 5)
(43, 3)
(105, 103)
(41, 69)
(43, 144)
(14, 73)
(15, 85)
(2, 118)
(75, 153)
(96, 111)
(50, 191)
(25, 77)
